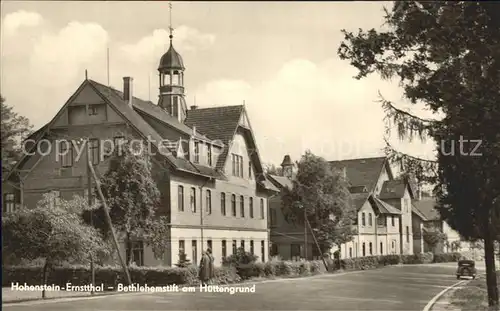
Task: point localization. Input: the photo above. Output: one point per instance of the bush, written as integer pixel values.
(447, 257)
(389, 260)
(245, 264)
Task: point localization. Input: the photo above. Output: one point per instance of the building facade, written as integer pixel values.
(384, 205)
(205, 162)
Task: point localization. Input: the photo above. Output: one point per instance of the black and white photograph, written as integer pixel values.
(250, 155)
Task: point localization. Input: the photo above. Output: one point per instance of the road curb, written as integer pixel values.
(435, 299)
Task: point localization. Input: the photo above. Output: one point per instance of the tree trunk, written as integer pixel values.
(128, 249)
(489, 257)
(45, 276)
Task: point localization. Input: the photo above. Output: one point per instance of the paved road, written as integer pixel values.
(391, 288)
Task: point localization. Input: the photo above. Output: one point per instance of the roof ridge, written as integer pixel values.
(357, 159)
(215, 107)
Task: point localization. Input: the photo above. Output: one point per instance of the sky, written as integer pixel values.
(278, 58)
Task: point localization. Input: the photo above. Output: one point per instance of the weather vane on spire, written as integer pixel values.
(170, 26)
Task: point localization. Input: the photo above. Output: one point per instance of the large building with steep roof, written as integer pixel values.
(205, 161)
(384, 206)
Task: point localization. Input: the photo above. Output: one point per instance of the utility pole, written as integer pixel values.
(307, 224)
(110, 224)
(90, 202)
(305, 233)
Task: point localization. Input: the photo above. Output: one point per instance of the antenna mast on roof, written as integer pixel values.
(107, 63)
(86, 76)
(149, 86)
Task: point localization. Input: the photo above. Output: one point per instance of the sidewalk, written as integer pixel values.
(8, 295)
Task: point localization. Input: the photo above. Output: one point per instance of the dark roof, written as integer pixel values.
(171, 60)
(218, 123)
(427, 206)
(362, 172)
(417, 212)
(115, 99)
(358, 199)
(280, 181)
(384, 207)
(393, 189)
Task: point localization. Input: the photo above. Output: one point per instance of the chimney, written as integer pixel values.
(127, 90)
(194, 130)
(344, 172)
(194, 107)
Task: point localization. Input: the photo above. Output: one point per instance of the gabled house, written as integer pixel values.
(205, 162)
(430, 219)
(384, 222)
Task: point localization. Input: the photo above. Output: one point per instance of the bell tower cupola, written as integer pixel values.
(171, 77)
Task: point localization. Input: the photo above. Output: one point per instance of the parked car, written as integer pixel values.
(466, 268)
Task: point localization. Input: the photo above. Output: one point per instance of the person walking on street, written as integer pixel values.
(212, 268)
(205, 268)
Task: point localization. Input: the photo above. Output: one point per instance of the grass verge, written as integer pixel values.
(473, 296)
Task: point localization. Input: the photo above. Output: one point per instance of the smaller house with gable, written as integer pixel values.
(384, 205)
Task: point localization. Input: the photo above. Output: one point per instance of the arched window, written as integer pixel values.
(370, 220)
(363, 219)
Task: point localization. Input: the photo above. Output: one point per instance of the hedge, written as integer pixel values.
(162, 276)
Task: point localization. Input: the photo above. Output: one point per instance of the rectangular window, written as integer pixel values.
(55, 198)
(208, 207)
(9, 203)
(182, 246)
(175, 105)
(370, 219)
(224, 249)
(209, 244)
(196, 152)
(350, 252)
(193, 200)
(250, 207)
(209, 155)
(363, 219)
(295, 250)
(233, 205)
(233, 164)
(135, 253)
(234, 247)
(94, 151)
(242, 206)
(223, 203)
(249, 169)
(194, 251)
(242, 244)
(263, 250)
(363, 250)
(66, 153)
(261, 208)
(237, 165)
(118, 142)
(392, 221)
(180, 198)
(371, 248)
(381, 248)
(251, 247)
(272, 217)
(93, 110)
(407, 234)
(241, 166)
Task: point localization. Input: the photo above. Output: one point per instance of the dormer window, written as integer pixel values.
(196, 152)
(209, 155)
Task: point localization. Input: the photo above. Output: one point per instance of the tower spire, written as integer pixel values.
(170, 28)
